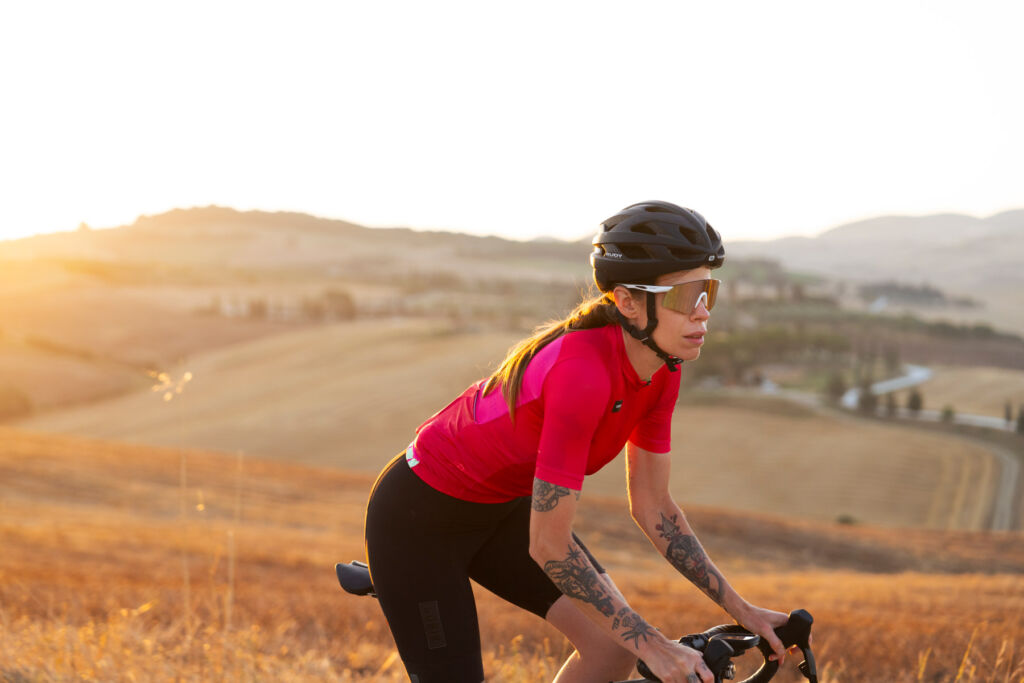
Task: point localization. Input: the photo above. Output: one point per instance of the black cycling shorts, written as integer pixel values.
(424, 546)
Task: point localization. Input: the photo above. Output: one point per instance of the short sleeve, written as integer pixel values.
(654, 431)
(575, 397)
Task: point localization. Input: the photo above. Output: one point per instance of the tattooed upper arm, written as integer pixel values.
(546, 496)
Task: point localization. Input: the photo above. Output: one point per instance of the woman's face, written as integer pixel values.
(681, 334)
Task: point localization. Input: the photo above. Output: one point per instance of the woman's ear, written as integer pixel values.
(628, 305)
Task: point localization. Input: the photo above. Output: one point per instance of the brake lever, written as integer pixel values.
(797, 631)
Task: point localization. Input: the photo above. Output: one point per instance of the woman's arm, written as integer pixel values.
(665, 524)
(554, 549)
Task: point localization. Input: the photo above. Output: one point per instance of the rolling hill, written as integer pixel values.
(86, 317)
(213, 239)
(325, 396)
(977, 258)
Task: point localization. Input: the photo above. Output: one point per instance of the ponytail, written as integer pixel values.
(596, 312)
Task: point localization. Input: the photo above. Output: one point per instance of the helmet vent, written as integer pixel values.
(646, 229)
(690, 235)
(681, 254)
(633, 251)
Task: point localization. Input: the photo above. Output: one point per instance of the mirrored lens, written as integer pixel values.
(684, 297)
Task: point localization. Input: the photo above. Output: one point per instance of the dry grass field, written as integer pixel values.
(124, 563)
(823, 467)
(67, 338)
(207, 554)
(350, 395)
(976, 390)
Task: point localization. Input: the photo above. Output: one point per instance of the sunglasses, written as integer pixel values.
(684, 297)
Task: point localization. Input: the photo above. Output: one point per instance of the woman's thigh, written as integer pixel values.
(503, 564)
(599, 655)
(418, 544)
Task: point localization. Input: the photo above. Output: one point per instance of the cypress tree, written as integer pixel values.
(915, 402)
(867, 402)
(835, 388)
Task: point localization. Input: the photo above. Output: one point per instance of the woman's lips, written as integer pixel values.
(697, 339)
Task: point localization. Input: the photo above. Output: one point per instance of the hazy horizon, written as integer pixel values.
(485, 234)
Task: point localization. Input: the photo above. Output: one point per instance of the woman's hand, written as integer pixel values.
(673, 662)
(763, 622)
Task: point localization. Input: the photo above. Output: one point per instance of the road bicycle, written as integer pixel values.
(718, 645)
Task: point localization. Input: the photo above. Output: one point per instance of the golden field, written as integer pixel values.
(768, 456)
(126, 563)
(350, 395)
(333, 395)
(976, 390)
(205, 551)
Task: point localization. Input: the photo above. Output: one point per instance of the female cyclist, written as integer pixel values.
(490, 485)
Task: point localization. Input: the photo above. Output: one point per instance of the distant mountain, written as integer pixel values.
(950, 249)
(962, 256)
(224, 237)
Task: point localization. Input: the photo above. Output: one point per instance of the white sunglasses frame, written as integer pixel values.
(661, 289)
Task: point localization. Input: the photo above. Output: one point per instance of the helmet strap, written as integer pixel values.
(644, 335)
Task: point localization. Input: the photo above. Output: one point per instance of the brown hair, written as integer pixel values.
(594, 312)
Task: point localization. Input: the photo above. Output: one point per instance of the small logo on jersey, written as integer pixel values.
(617, 407)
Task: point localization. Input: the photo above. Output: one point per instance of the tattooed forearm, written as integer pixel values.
(685, 553)
(546, 496)
(577, 578)
(635, 628)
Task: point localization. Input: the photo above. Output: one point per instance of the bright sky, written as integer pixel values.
(518, 118)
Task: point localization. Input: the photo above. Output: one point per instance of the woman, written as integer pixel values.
(489, 487)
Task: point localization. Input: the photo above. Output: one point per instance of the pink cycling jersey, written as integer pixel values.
(580, 401)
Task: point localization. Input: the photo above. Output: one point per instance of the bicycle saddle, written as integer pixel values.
(354, 577)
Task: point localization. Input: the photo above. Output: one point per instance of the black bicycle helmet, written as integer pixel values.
(644, 241)
(649, 239)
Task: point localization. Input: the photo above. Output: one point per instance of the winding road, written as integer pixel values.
(1004, 514)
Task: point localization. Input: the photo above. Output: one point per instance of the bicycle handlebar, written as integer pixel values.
(718, 645)
(721, 643)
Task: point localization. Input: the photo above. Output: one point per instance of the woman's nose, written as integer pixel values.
(700, 311)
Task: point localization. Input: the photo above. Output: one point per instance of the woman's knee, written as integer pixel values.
(616, 660)
(590, 641)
